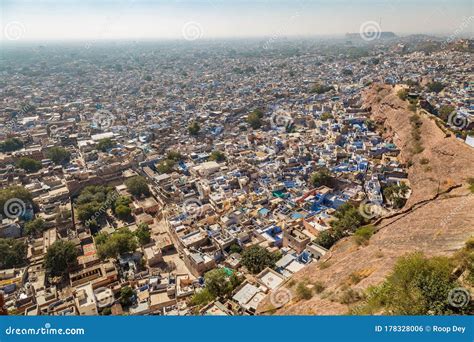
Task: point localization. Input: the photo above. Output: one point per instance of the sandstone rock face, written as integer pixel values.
(437, 219)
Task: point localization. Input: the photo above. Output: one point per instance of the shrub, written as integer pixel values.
(349, 296)
(402, 94)
(363, 234)
(303, 292)
(417, 286)
(318, 287)
(424, 161)
(470, 181)
(355, 278)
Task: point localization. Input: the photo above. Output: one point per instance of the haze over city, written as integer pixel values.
(237, 158)
(142, 19)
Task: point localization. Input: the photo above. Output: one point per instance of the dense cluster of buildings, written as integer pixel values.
(229, 187)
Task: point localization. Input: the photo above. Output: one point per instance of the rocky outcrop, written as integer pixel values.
(437, 219)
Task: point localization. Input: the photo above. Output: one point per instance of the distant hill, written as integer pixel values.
(381, 35)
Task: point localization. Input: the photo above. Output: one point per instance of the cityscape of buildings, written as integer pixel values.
(197, 178)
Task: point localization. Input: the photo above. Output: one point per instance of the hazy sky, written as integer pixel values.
(24, 20)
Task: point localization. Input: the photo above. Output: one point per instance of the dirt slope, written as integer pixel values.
(437, 219)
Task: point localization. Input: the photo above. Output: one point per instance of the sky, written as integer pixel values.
(30, 20)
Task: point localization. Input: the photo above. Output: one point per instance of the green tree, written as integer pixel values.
(201, 298)
(121, 207)
(122, 200)
(174, 155)
(93, 202)
(106, 311)
(254, 119)
(235, 248)
(194, 128)
(435, 86)
(137, 186)
(348, 218)
(217, 156)
(326, 116)
(10, 145)
(319, 88)
(120, 242)
(60, 256)
(105, 144)
(126, 296)
(329, 237)
(321, 178)
(165, 166)
(29, 165)
(143, 234)
(123, 212)
(257, 258)
(347, 72)
(35, 226)
(89, 211)
(220, 283)
(58, 155)
(12, 253)
(95, 193)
